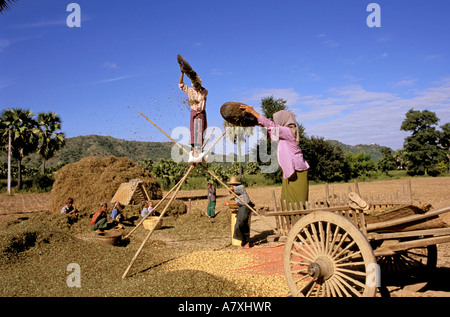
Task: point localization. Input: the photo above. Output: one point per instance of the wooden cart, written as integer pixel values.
(334, 249)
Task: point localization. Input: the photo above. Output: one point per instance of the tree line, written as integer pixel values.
(28, 134)
(425, 152)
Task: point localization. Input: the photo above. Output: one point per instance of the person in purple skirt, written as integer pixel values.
(197, 102)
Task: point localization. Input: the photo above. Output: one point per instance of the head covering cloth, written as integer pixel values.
(286, 118)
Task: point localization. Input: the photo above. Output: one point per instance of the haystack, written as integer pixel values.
(94, 180)
(131, 193)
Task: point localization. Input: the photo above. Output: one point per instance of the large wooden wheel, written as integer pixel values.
(327, 255)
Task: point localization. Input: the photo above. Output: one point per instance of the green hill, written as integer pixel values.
(102, 146)
(373, 150)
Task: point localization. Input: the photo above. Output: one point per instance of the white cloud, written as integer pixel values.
(110, 65)
(4, 43)
(431, 57)
(219, 72)
(40, 24)
(330, 43)
(111, 80)
(354, 115)
(404, 82)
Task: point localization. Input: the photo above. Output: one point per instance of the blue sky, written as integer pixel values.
(343, 80)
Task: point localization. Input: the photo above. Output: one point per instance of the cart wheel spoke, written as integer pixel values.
(325, 254)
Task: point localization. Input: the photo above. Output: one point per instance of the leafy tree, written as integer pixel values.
(169, 172)
(388, 162)
(444, 140)
(50, 139)
(326, 161)
(23, 137)
(270, 105)
(399, 157)
(146, 164)
(218, 170)
(423, 149)
(251, 168)
(360, 164)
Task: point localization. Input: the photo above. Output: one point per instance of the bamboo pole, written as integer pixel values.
(252, 209)
(154, 208)
(157, 222)
(204, 144)
(179, 145)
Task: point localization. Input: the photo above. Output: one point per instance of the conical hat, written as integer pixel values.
(233, 181)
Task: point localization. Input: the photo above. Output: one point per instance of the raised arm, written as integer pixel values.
(181, 78)
(249, 109)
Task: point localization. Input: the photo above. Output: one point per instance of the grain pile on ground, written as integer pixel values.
(225, 264)
(93, 180)
(36, 251)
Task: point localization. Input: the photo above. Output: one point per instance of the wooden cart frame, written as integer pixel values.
(331, 249)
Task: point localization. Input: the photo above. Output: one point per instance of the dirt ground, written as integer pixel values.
(435, 191)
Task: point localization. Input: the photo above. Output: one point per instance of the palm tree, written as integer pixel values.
(237, 135)
(5, 5)
(50, 141)
(23, 137)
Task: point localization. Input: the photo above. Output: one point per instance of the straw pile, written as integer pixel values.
(94, 180)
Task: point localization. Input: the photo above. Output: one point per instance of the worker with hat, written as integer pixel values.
(241, 228)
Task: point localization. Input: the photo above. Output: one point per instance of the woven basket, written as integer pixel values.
(109, 237)
(149, 223)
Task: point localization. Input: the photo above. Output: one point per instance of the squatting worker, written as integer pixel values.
(197, 102)
(241, 228)
(290, 157)
(69, 208)
(99, 222)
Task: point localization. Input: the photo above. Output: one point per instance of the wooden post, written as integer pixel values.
(357, 187)
(410, 191)
(274, 201)
(145, 191)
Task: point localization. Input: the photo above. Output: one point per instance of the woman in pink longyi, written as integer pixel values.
(284, 128)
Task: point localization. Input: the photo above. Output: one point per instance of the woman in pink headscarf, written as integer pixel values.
(284, 128)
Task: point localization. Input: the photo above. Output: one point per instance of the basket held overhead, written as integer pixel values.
(231, 112)
(187, 69)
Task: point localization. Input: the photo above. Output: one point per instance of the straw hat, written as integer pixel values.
(233, 181)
